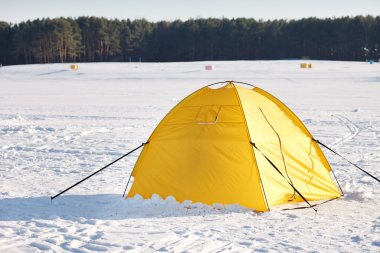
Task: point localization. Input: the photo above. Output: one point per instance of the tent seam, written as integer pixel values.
(253, 152)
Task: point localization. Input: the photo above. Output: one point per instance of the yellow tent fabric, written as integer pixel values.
(201, 151)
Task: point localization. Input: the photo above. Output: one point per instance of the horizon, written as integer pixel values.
(197, 18)
(171, 10)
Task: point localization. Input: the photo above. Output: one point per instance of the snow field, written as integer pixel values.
(58, 126)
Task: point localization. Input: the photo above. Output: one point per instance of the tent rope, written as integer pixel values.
(330, 149)
(305, 207)
(275, 167)
(282, 154)
(96, 172)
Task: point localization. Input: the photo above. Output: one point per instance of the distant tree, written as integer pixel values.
(138, 39)
(89, 39)
(5, 33)
(21, 46)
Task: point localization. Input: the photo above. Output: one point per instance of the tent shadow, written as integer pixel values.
(101, 206)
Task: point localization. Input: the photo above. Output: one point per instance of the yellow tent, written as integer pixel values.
(233, 145)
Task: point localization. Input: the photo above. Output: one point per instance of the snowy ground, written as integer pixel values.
(57, 126)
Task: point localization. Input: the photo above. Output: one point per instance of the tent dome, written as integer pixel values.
(217, 146)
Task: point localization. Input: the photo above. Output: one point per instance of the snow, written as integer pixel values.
(58, 126)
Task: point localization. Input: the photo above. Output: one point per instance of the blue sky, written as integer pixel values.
(154, 10)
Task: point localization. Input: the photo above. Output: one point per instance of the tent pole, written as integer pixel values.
(218, 83)
(129, 179)
(336, 179)
(231, 81)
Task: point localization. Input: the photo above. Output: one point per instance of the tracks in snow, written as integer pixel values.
(354, 130)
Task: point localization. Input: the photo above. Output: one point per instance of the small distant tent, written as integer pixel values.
(233, 145)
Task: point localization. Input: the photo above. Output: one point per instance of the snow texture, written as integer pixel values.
(58, 126)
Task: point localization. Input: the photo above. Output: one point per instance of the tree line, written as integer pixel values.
(94, 39)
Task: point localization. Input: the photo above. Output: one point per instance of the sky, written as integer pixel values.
(15, 11)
